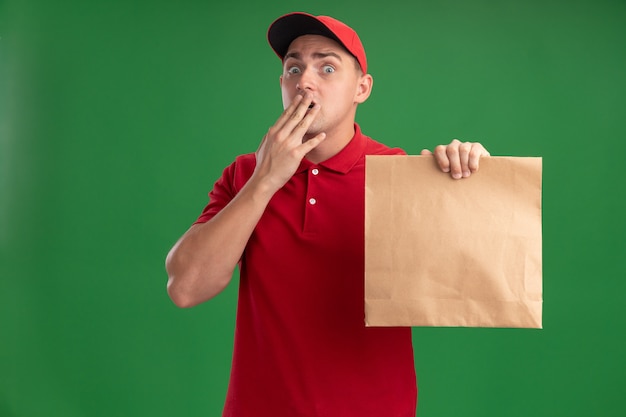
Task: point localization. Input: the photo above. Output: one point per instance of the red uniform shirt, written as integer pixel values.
(301, 345)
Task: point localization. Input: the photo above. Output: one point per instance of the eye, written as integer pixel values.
(328, 69)
(293, 70)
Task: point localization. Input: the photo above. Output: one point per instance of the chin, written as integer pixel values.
(316, 128)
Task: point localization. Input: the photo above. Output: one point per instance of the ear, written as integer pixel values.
(363, 88)
(280, 80)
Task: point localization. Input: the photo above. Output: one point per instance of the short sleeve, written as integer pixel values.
(227, 186)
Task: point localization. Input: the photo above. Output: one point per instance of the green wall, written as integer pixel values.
(116, 117)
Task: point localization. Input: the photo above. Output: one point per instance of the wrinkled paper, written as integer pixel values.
(445, 252)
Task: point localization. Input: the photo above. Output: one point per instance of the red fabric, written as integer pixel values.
(286, 28)
(301, 345)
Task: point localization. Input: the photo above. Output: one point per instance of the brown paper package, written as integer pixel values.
(445, 252)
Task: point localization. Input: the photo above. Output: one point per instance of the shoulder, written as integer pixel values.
(245, 160)
(242, 165)
(235, 175)
(373, 147)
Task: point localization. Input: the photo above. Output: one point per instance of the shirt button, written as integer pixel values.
(312, 201)
(315, 171)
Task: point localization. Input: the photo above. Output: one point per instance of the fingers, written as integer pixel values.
(460, 159)
(294, 122)
(441, 157)
(303, 120)
(283, 147)
(476, 152)
(296, 113)
(311, 144)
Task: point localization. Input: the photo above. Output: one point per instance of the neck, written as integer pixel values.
(333, 144)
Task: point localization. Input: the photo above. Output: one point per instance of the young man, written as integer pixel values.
(292, 216)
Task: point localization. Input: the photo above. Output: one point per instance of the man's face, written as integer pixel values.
(322, 67)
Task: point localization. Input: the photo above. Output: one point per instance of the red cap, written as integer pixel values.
(288, 27)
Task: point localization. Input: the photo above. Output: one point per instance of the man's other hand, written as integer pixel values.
(460, 159)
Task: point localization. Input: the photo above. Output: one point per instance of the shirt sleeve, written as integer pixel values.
(227, 186)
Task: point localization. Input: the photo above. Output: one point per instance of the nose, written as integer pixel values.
(306, 80)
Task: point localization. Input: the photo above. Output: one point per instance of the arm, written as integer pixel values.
(201, 263)
(460, 159)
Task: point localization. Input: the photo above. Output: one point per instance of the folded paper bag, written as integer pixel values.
(459, 253)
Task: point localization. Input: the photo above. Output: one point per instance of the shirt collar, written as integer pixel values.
(343, 161)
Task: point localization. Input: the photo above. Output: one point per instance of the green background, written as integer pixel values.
(116, 117)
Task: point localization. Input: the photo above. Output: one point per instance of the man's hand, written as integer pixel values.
(458, 158)
(283, 147)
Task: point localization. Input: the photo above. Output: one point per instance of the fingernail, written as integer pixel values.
(466, 174)
(456, 175)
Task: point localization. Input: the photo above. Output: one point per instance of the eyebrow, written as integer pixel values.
(316, 55)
